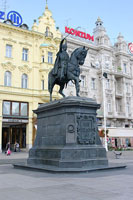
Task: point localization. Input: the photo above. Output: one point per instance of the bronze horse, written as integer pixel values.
(72, 73)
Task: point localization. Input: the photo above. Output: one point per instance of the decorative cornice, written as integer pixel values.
(25, 69)
(25, 43)
(8, 66)
(9, 39)
(49, 46)
(17, 29)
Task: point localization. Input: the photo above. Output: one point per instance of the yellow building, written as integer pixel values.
(26, 57)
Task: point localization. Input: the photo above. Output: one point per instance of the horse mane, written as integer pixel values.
(76, 51)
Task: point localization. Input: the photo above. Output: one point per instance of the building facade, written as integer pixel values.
(116, 63)
(26, 58)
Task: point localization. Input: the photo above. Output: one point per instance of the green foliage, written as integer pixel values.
(119, 68)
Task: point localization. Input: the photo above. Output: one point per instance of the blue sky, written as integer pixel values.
(117, 15)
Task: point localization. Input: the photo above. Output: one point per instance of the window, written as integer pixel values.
(125, 68)
(7, 78)
(119, 106)
(106, 41)
(42, 84)
(24, 81)
(43, 59)
(109, 107)
(15, 108)
(107, 84)
(6, 107)
(127, 87)
(50, 57)
(124, 47)
(8, 51)
(82, 81)
(107, 61)
(24, 109)
(47, 32)
(127, 108)
(25, 54)
(93, 85)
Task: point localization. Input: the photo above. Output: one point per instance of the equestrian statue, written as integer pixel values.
(66, 68)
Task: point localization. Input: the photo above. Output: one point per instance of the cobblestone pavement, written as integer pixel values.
(15, 157)
(16, 184)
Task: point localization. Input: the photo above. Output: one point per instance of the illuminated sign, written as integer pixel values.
(14, 16)
(79, 33)
(130, 47)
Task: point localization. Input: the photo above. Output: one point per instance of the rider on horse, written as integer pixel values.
(61, 61)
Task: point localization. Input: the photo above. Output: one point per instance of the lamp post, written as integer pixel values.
(104, 76)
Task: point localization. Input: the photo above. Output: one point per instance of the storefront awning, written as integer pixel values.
(120, 132)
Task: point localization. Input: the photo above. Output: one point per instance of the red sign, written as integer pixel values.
(79, 33)
(130, 46)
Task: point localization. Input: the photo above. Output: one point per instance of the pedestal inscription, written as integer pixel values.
(86, 130)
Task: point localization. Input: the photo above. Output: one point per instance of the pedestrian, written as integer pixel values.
(17, 146)
(8, 146)
(8, 152)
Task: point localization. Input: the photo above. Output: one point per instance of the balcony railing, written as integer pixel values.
(120, 115)
(108, 91)
(128, 94)
(109, 113)
(48, 34)
(119, 93)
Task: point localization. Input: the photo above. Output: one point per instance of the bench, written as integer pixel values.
(117, 154)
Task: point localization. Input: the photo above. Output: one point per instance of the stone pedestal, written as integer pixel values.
(67, 136)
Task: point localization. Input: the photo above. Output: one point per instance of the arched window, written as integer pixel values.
(47, 31)
(7, 78)
(24, 81)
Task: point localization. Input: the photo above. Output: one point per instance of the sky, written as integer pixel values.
(117, 15)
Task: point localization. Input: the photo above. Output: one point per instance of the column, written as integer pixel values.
(29, 128)
(124, 97)
(113, 96)
(0, 126)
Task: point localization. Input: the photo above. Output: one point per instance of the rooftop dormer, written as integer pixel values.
(100, 35)
(46, 25)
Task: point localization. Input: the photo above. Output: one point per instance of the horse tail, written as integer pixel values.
(49, 81)
(66, 84)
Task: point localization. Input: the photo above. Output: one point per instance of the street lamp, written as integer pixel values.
(104, 76)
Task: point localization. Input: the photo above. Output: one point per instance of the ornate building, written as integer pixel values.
(117, 63)
(26, 58)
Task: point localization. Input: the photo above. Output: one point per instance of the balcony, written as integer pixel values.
(119, 93)
(119, 73)
(129, 116)
(120, 115)
(49, 34)
(110, 114)
(128, 94)
(108, 91)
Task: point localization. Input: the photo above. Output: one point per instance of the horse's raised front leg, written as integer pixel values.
(61, 90)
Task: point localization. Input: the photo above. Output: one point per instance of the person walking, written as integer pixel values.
(8, 151)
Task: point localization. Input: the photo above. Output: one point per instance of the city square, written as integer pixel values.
(98, 185)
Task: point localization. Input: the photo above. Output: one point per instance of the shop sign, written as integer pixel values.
(14, 16)
(79, 33)
(15, 120)
(130, 47)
